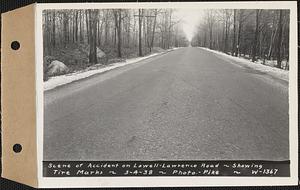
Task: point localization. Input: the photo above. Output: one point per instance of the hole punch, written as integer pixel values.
(17, 148)
(15, 45)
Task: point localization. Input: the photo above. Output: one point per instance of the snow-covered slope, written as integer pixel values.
(273, 71)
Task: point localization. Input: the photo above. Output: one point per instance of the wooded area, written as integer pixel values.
(256, 34)
(77, 37)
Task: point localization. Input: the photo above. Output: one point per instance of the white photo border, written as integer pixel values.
(64, 182)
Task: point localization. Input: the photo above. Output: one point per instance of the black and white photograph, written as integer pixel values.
(165, 86)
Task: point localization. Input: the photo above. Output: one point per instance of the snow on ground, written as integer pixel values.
(60, 80)
(273, 71)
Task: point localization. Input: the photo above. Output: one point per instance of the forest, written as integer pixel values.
(80, 38)
(254, 34)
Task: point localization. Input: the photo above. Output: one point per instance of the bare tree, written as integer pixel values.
(254, 46)
(93, 35)
(257, 34)
(53, 30)
(234, 49)
(153, 29)
(210, 20)
(140, 32)
(279, 40)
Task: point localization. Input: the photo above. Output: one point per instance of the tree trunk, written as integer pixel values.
(144, 29)
(241, 14)
(274, 33)
(100, 29)
(170, 28)
(128, 33)
(119, 33)
(210, 37)
(149, 25)
(76, 26)
(223, 37)
(116, 28)
(140, 34)
(65, 28)
(46, 34)
(233, 52)
(226, 37)
(204, 41)
(279, 40)
(106, 29)
(80, 26)
(53, 29)
(73, 29)
(93, 36)
(98, 32)
(87, 26)
(254, 47)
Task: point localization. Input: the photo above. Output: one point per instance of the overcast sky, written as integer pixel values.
(190, 20)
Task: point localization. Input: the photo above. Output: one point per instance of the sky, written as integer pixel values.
(190, 19)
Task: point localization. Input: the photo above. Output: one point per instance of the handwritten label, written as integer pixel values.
(165, 168)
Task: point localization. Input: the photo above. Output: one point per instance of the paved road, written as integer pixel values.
(188, 104)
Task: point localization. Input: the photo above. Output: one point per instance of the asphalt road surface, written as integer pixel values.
(188, 104)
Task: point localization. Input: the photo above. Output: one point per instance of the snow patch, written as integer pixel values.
(56, 81)
(273, 71)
